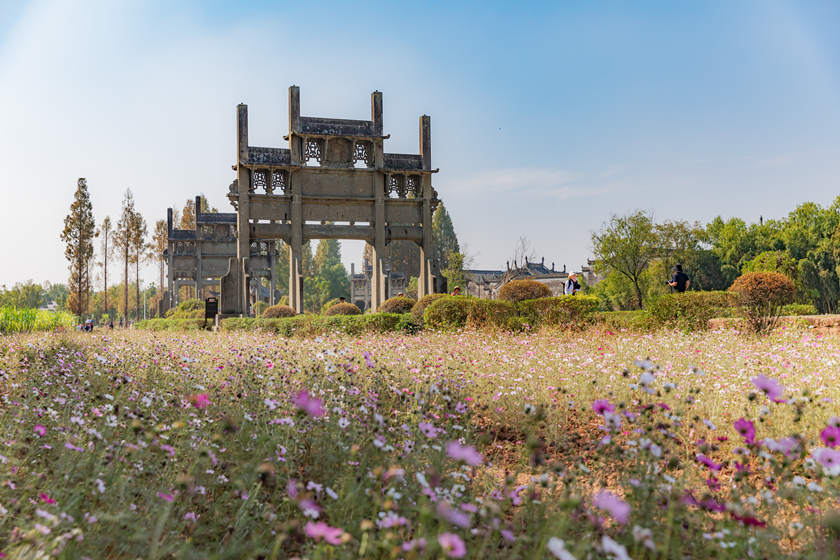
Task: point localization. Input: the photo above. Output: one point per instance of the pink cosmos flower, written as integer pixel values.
(829, 459)
(786, 445)
(418, 544)
(453, 515)
(47, 499)
(40, 430)
(452, 545)
(602, 405)
(200, 400)
(321, 530)
(309, 404)
(746, 429)
(465, 453)
(368, 361)
(165, 497)
(770, 387)
(708, 462)
(617, 508)
(831, 436)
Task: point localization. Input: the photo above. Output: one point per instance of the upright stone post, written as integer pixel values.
(170, 260)
(272, 281)
(243, 226)
(424, 282)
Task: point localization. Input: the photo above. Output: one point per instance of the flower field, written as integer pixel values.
(465, 445)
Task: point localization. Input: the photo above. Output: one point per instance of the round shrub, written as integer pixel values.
(259, 308)
(189, 309)
(447, 313)
(277, 311)
(761, 296)
(520, 290)
(329, 304)
(345, 308)
(424, 302)
(397, 304)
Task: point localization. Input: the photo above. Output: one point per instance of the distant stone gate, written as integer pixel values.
(334, 181)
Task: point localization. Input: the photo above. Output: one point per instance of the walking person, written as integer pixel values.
(679, 281)
(572, 286)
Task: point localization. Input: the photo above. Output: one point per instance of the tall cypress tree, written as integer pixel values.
(106, 233)
(138, 247)
(123, 241)
(443, 234)
(78, 234)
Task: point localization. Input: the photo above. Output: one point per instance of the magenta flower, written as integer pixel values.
(200, 400)
(602, 405)
(368, 361)
(46, 498)
(615, 506)
(309, 404)
(746, 429)
(831, 436)
(40, 430)
(453, 515)
(321, 530)
(418, 544)
(829, 459)
(770, 387)
(166, 497)
(452, 545)
(465, 453)
(708, 462)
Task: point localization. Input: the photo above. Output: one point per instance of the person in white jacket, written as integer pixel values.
(572, 287)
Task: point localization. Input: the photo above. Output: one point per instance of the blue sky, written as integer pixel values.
(546, 117)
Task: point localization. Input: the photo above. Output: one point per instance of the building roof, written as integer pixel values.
(268, 156)
(336, 127)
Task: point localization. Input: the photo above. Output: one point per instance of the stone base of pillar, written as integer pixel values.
(232, 287)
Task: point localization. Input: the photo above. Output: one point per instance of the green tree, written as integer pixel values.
(105, 234)
(139, 252)
(123, 241)
(78, 234)
(454, 271)
(444, 239)
(626, 245)
(160, 240)
(25, 295)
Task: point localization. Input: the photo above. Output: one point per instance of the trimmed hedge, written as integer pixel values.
(635, 320)
(689, 310)
(463, 311)
(277, 311)
(421, 305)
(314, 325)
(345, 308)
(190, 309)
(260, 308)
(397, 304)
(520, 290)
(569, 311)
(794, 309)
(174, 324)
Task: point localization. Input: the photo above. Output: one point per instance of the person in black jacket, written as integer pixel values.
(679, 281)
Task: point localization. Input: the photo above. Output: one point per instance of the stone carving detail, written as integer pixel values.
(312, 150)
(362, 152)
(412, 186)
(184, 248)
(396, 185)
(259, 181)
(278, 182)
(260, 248)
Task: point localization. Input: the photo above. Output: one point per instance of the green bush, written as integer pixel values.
(689, 310)
(520, 290)
(761, 296)
(345, 308)
(563, 311)
(315, 325)
(447, 313)
(490, 313)
(420, 307)
(277, 311)
(170, 324)
(189, 309)
(329, 304)
(453, 312)
(397, 304)
(793, 309)
(635, 320)
(260, 307)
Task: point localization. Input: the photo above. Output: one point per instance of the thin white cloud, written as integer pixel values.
(557, 184)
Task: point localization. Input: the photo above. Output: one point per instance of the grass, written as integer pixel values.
(244, 445)
(14, 320)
